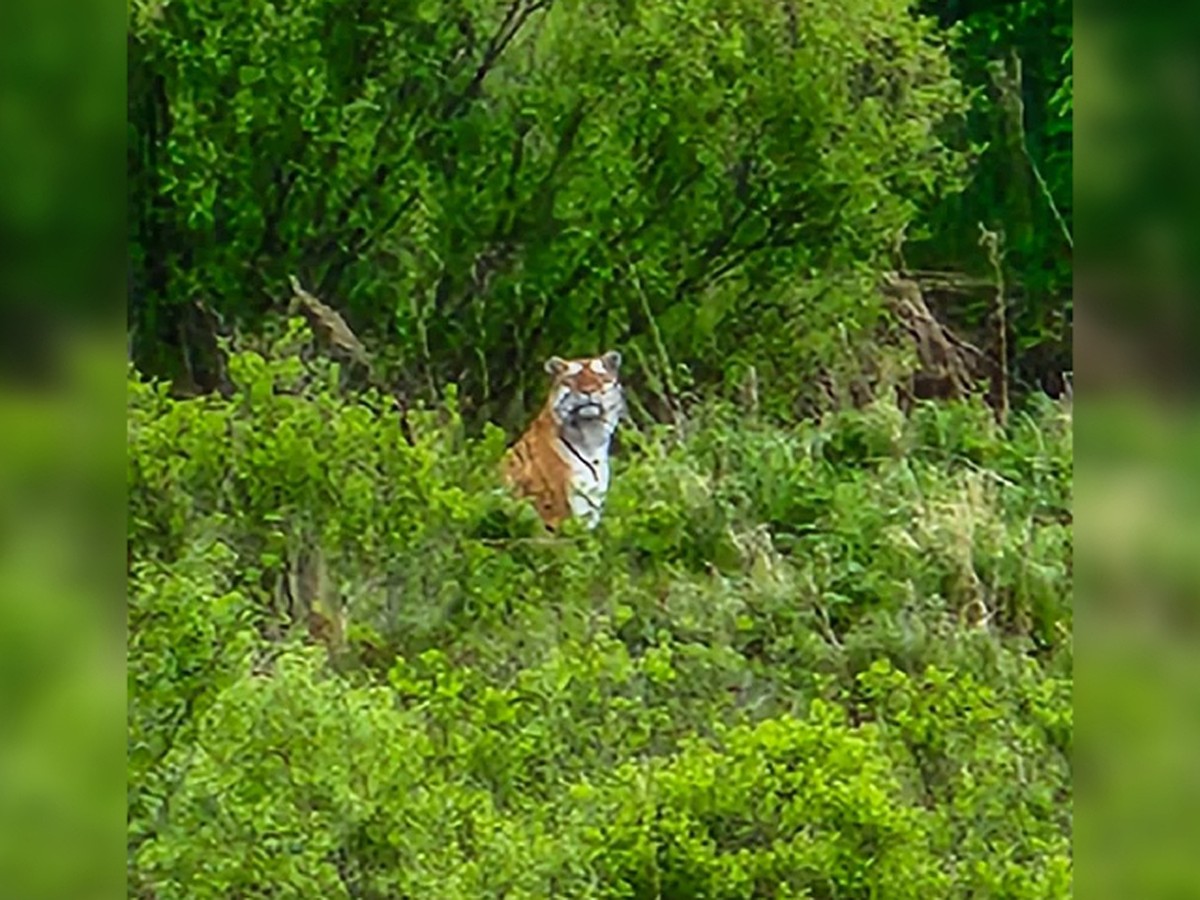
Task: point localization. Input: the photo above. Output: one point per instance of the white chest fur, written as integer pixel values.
(587, 412)
(586, 453)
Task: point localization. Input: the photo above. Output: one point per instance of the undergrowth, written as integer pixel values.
(825, 660)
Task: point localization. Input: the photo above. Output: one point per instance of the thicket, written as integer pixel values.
(806, 654)
(1015, 56)
(478, 185)
(829, 660)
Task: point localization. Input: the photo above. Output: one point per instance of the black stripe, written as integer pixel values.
(579, 457)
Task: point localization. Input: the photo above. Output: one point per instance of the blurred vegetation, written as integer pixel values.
(820, 645)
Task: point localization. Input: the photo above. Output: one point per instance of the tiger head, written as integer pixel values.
(586, 394)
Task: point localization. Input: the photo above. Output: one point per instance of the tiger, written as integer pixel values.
(561, 462)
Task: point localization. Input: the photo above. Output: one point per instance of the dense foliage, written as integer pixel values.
(479, 185)
(827, 661)
(1016, 55)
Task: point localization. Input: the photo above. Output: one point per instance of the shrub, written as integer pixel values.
(486, 184)
(785, 809)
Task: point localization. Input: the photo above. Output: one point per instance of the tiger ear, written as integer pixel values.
(612, 360)
(555, 366)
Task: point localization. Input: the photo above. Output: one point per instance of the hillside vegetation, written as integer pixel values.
(831, 660)
(820, 644)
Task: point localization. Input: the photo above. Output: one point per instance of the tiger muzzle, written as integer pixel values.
(590, 409)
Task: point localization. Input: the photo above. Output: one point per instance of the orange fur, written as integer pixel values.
(535, 471)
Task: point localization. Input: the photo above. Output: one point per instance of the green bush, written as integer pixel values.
(784, 809)
(831, 659)
(479, 185)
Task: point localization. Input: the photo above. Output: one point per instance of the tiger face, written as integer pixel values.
(586, 393)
